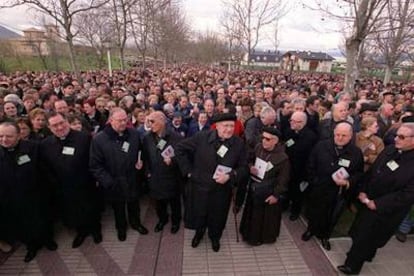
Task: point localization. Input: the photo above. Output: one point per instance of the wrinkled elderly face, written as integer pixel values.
(342, 134)
(118, 121)
(269, 141)
(9, 136)
(225, 129)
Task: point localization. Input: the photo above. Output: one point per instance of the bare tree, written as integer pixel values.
(251, 16)
(63, 12)
(232, 32)
(359, 18)
(170, 34)
(94, 29)
(395, 41)
(142, 17)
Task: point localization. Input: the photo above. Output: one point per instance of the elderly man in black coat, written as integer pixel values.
(22, 206)
(215, 161)
(162, 170)
(300, 140)
(387, 195)
(114, 162)
(65, 158)
(335, 167)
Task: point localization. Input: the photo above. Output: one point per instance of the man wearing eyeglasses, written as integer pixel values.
(114, 161)
(387, 195)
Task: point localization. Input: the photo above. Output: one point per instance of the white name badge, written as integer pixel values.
(344, 163)
(290, 143)
(222, 151)
(68, 151)
(161, 144)
(23, 159)
(392, 165)
(125, 147)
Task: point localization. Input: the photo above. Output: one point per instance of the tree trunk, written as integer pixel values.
(352, 72)
(72, 56)
(388, 73)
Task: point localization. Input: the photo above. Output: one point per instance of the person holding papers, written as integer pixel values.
(335, 167)
(387, 194)
(162, 171)
(215, 161)
(269, 170)
(114, 161)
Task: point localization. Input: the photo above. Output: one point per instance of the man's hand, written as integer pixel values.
(253, 170)
(271, 200)
(167, 161)
(371, 205)
(363, 197)
(138, 165)
(221, 178)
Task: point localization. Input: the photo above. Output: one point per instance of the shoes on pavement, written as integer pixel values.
(293, 216)
(30, 255)
(307, 235)
(122, 235)
(197, 238)
(97, 237)
(160, 226)
(175, 228)
(51, 245)
(79, 239)
(400, 236)
(347, 270)
(215, 244)
(326, 244)
(140, 228)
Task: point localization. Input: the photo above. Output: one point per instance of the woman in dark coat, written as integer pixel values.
(263, 213)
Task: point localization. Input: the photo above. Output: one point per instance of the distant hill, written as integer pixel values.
(7, 34)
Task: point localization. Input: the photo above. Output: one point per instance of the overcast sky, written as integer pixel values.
(300, 29)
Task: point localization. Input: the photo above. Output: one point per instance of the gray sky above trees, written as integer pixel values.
(301, 28)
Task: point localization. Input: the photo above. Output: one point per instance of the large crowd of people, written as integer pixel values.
(210, 141)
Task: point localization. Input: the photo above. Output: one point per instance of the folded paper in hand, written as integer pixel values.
(168, 152)
(340, 174)
(261, 167)
(221, 169)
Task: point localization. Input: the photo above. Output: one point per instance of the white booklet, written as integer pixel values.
(261, 167)
(341, 173)
(221, 169)
(168, 152)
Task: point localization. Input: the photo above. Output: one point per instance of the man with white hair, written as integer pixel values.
(387, 195)
(215, 161)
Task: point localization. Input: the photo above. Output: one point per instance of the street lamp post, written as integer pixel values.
(107, 45)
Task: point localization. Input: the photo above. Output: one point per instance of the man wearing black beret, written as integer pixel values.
(214, 161)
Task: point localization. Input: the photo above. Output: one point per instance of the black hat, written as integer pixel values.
(224, 117)
(66, 84)
(409, 108)
(273, 131)
(367, 107)
(408, 119)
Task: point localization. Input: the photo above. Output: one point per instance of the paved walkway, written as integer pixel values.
(167, 254)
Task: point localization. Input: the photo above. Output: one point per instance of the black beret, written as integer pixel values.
(409, 108)
(273, 131)
(408, 119)
(224, 117)
(367, 107)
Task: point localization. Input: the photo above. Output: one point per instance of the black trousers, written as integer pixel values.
(120, 211)
(175, 205)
